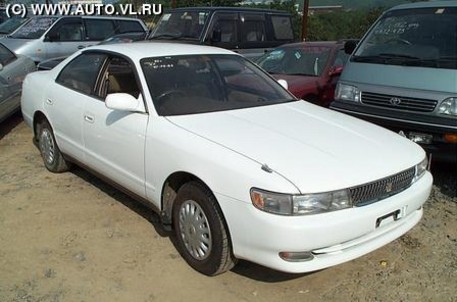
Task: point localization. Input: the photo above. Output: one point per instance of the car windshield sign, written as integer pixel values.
(34, 28)
(423, 37)
(206, 83)
(181, 25)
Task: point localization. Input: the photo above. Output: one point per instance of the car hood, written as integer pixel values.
(315, 148)
(14, 44)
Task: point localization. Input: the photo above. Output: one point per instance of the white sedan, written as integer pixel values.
(237, 166)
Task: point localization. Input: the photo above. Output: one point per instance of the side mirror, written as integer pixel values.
(124, 102)
(349, 46)
(336, 70)
(216, 36)
(283, 83)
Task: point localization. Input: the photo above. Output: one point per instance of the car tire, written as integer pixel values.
(201, 232)
(50, 152)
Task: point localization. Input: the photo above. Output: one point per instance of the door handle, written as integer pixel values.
(49, 102)
(81, 46)
(89, 118)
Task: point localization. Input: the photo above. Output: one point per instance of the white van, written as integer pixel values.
(403, 75)
(44, 37)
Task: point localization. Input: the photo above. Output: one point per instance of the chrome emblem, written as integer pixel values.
(389, 187)
(395, 101)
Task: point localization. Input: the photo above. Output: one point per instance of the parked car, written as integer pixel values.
(248, 31)
(13, 70)
(229, 158)
(45, 37)
(403, 76)
(311, 69)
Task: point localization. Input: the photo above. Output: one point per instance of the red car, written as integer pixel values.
(311, 69)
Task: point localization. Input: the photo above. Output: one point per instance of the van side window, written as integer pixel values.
(99, 29)
(282, 28)
(227, 23)
(125, 26)
(81, 73)
(253, 29)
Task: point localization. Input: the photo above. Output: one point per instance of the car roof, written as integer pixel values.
(438, 4)
(144, 49)
(228, 9)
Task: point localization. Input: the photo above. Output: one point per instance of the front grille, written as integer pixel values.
(383, 188)
(399, 102)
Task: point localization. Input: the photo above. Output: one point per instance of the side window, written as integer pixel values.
(282, 28)
(125, 26)
(81, 73)
(118, 77)
(227, 24)
(6, 56)
(67, 31)
(253, 27)
(99, 29)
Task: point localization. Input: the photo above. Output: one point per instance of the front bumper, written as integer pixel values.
(408, 123)
(333, 238)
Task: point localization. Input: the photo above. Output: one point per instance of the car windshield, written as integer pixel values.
(11, 24)
(206, 83)
(34, 28)
(181, 25)
(425, 37)
(300, 60)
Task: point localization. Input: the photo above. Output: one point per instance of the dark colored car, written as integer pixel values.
(311, 69)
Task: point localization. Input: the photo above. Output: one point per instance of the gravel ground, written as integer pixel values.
(71, 237)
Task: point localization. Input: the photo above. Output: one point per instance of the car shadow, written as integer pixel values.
(9, 124)
(243, 268)
(445, 177)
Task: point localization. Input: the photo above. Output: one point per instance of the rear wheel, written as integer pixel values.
(52, 157)
(201, 234)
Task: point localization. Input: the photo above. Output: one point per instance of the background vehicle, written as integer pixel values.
(46, 37)
(13, 70)
(250, 32)
(11, 24)
(230, 159)
(311, 69)
(403, 75)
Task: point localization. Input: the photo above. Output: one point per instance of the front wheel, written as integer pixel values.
(52, 158)
(201, 234)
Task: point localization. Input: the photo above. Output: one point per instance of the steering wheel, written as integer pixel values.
(398, 41)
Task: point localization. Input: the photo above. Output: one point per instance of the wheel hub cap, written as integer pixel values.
(47, 146)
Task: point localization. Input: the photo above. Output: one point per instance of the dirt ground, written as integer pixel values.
(71, 237)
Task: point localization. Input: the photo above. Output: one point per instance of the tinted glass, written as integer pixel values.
(205, 83)
(98, 30)
(424, 37)
(182, 24)
(282, 28)
(6, 56)
(81, 73)
(70, 32)
(125, 26)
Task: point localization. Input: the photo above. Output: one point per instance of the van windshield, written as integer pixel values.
(181, 25)
(424, 37)
(34, 28)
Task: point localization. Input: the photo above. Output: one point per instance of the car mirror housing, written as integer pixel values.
(124, 102)
(283, 83)
(337, 70)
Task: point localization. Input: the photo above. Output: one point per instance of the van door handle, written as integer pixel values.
(89, 118)
(81, 46)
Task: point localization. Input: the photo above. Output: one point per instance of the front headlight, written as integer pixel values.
(347, 93)
(448, 107)
(306, 204)
(420, 169)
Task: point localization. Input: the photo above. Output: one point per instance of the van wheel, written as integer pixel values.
(52, 158)
(201, 234)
